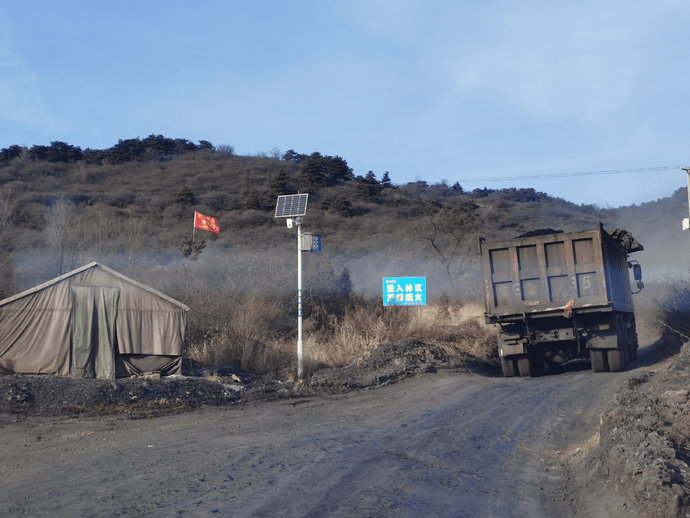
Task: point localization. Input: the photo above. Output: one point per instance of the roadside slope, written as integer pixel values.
(642, 445)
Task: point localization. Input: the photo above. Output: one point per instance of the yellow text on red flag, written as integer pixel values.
(206, 222)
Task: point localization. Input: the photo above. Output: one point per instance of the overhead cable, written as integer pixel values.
(566, 175)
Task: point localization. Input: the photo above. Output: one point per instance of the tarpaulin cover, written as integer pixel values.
(44, 330)
(93, 331)
(626, 239)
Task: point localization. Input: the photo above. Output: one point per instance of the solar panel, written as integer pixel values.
(291, 205)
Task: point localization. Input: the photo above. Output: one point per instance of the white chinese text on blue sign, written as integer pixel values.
(404, 291)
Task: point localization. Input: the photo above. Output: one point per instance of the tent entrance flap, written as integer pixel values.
(94, 310)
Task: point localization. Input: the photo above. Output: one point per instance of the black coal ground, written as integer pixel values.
(140, 397)
(642, 454)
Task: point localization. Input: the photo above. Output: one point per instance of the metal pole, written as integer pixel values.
(686, 221)
(299, 300)
(687, 170)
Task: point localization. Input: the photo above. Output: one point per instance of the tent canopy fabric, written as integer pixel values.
(91, 322)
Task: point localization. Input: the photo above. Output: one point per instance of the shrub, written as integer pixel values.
(673, 304)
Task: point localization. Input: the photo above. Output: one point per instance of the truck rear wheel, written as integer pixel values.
(618, 358)
(531, 364)
(524, 366)
(509, 367)
(598, 358)
(634, 345)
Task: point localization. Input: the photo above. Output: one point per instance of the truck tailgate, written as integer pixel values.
(552, 271)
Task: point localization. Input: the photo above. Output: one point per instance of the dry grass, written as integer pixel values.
(236, 330)
(254, 333)
(671, 306)
(460, 328)
(212, 376)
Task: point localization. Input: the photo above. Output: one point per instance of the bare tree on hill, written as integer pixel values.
(8, 210)
(449, 231)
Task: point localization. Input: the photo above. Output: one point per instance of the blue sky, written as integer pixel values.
(433, 90)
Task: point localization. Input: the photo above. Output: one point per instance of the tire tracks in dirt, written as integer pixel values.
(444, 444)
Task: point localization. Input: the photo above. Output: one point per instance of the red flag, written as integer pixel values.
(206, 222)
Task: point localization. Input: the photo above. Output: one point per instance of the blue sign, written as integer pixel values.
(315, 244)
(404, 291)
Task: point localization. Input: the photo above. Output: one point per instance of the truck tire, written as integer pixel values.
(531, 364)
(509, 367)
(524, 366)
(616, 359)
(634, 345)
(598, 358)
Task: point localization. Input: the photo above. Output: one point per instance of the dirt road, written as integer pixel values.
(444, 444)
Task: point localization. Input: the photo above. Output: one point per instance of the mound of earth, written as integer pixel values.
(392, 362)
(134, 397)
(643, 453)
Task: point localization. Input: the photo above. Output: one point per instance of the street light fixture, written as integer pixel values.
(294, 207)
(686, 221)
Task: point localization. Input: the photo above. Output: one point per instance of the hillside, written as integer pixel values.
(659, 227)
(63, 212)
(131, 208)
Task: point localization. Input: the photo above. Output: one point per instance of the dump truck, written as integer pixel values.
(558, 296)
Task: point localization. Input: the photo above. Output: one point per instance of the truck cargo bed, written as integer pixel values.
(557, 271)
(560, 296)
